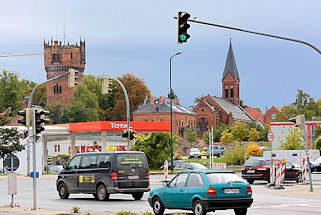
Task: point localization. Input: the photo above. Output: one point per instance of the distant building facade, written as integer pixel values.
(158, 109)
(58, 59)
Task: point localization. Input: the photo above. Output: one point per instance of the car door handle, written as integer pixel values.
(180, 190)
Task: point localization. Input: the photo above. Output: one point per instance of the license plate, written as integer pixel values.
(133, 177)
(251, 171)
(231, 191)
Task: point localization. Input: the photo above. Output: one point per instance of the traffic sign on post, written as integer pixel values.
(11, 163)
(270, 136)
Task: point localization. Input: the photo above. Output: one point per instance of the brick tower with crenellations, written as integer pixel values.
(59, 58)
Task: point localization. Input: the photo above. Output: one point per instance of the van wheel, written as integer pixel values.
(198, 208)
(158, 206)
(137, 196)
(241, 211)
(62, 190)
(102, 193)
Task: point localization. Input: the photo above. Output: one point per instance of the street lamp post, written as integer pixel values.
(171, 96)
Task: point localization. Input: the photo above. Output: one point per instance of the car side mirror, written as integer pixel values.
(165, 183)
(65, 166)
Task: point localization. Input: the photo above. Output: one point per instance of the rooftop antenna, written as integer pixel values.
(64, 30)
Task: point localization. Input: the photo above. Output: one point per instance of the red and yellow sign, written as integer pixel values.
(118, 126)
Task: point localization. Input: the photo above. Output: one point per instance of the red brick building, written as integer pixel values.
(213, 110)
(158, 109)
(58, 59)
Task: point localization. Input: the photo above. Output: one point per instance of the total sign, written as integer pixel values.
(118, 125)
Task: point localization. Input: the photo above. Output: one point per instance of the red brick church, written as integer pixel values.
(213, 110)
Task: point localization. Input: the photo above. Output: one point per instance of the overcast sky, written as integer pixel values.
(140, 36)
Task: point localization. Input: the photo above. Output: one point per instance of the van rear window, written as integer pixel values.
(131, 160)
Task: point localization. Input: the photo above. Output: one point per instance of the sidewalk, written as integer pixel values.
(6, 210)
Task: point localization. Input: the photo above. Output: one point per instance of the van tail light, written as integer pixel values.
(260, 168)
(243, 168)
(249, 190)
(114, 176)
(211, 192)
(148, 176)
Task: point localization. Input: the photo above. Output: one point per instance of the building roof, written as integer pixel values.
(238, 113)
(255, 114)
(230, 65)
(163, 108)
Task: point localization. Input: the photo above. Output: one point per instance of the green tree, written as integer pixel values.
(292, 140)
(137, 92)
(9, 141)
(58, 114)
(157, 148)
(227, 137)
(10, 91)
(254, 135)
(264, 133)
(240, 131)
(83, 105)
(191, 135)
(5, 117)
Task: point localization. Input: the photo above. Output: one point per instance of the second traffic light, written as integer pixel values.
(132, 134)
(39, 120)
(105, 88)
(72, 78)
(26, 117)
(182, 26)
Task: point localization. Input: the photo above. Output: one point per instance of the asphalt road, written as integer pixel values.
(266, 201)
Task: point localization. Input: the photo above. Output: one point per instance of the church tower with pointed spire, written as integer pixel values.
(58, 59)
(231, 79)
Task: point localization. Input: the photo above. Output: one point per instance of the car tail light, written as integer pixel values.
(148, 176)
(260, 168)
(114, 176)
(211, 192)
(243, 168)
(249, 190)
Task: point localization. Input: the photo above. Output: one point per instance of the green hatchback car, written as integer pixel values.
(203, 191)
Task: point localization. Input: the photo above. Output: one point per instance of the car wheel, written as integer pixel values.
(102, 193)
(241, 211)
(137, 196)
(62, 190)
(198, 208)
(158, 206)
(251, 181)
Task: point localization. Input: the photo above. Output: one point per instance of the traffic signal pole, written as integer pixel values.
(257, 33)
(33, 123)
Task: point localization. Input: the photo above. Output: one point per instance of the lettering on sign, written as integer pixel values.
(115, 125)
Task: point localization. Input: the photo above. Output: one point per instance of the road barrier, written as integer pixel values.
(166, 170)
(278, 175)
(304, 170)
(272, 172)
(282, 172)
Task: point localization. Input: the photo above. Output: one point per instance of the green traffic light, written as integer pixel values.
(182, 38)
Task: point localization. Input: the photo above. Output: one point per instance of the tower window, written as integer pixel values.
(232, 94)
(55, 90)
(56, 58)
(59, 89)
(226, 93)
(70, 55)
(273, 116)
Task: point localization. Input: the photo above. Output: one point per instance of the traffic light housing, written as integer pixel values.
(132, 134)
(298, 120)
(26, 117)
(182, 26)
(72, 78)
(105, 88)
(39, 120)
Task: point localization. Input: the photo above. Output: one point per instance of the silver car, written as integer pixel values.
(194, 153)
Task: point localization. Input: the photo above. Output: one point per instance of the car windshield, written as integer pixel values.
(195, 150)
(318, 160)
(197, 166)
(221, 178)
(252, 163)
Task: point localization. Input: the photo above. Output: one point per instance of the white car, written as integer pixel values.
(194, 153)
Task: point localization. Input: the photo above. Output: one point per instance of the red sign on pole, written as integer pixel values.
(270, 136)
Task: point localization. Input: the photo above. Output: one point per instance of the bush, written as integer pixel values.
(253, 150)
(234, 155)
(318, 143)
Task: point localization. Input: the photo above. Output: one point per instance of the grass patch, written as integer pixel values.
(50, 173)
